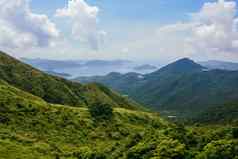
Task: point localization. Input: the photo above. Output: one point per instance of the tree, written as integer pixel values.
(101, 111)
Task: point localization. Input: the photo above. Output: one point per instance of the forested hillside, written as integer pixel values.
(30, 128)
(183, 87)
(57, 90)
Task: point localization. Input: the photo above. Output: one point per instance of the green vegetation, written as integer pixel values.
(183, 87)
(228, 113)
(57, 90)
(33, 128)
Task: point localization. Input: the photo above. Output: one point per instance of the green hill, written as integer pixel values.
(30, 128)
(57, 90)
(182, 87)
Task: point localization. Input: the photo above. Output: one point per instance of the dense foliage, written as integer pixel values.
(227, 113)
(32, 128)
(101, 111)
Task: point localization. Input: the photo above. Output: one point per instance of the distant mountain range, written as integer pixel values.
(46, 64)
(81, 67)
(145, 67)
(64, 75)
(182, 86)
(75, 68)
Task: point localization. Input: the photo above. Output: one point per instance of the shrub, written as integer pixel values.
(101, 111)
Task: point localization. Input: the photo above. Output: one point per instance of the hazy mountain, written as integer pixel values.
(145, 67)
(59, 64)
(81, 67)
(50, 65)
(105, 63)
(182, 86)
(213, 64)
(64, 75)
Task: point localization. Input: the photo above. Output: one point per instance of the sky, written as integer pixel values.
(154, 30)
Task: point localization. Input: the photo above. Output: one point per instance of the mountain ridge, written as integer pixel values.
(182, 86)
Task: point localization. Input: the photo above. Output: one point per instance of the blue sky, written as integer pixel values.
(165, 10)
(131, 29)
(154, 11)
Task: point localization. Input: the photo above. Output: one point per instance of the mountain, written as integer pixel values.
(55, 89)
(49, 65)
(105, 63)
(223, 65)
(80, 67)
(145, 67)
(31, 128)
(184, 65)
(64, 75)
(123, 83)
(182, 87)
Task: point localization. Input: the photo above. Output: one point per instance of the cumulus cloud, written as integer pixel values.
(21, 28)
(84, 22)
(213, 29)
(217, 29)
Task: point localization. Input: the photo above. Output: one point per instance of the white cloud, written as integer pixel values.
(217, 29)
(173, 28)
(212, 30)
(84, 22)
(21, 28)
(125, 50)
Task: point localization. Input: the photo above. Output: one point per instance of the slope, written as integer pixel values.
(30, 128)
(57, 90)
(225, 114)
